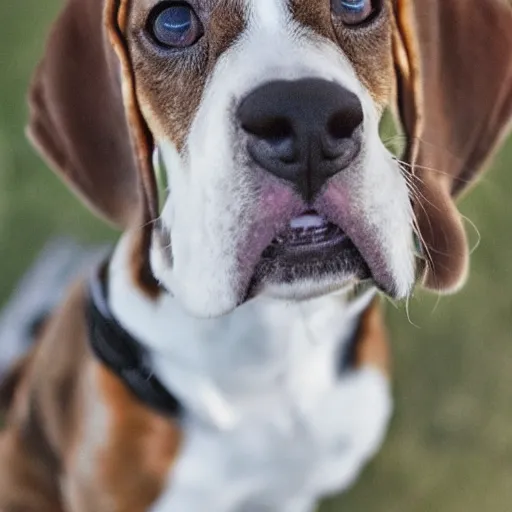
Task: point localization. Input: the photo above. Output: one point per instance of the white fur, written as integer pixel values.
(383, 200)
(268, 422)
(212, 196)
(270, 15)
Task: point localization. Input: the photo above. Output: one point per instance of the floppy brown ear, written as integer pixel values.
(93, 139)
(454, 73)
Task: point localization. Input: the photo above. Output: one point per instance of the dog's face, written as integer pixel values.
(266, 113)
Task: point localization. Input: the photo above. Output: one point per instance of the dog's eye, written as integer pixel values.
(175, 25)
(353, 12)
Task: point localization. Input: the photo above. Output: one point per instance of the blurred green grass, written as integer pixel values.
(450, 447)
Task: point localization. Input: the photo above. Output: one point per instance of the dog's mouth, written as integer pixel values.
(306, 235)
(310, 247)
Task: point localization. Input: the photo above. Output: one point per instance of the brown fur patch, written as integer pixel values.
(10, 382)
(41, 416)
(90, 447)
(133, 465)
(314, 15)
(170, 83)
(372, 348)
(368, 47)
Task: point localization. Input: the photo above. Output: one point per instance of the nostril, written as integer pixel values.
(274, 136)
(339, 137)
(342, 125)
(274, 131)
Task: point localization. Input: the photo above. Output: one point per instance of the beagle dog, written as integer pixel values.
(230, 356)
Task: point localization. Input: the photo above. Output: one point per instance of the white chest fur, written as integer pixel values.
(270, 425)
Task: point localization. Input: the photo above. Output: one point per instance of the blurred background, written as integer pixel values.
(450, 447)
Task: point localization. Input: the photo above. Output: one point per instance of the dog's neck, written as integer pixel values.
(226, 367)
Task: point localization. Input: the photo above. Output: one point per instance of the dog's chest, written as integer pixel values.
(272, 424)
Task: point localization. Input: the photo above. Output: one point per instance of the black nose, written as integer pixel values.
(303, 131)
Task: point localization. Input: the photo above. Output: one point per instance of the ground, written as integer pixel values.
(450, 447)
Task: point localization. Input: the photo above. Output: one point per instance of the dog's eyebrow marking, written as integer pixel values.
(270, 14)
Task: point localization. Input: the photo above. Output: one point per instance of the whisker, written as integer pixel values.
(477, 231)
(429, 260)
(432, 169)
(436, 305)
(418, 233)
(408, 313)
(407, 138)
(393, 303)
(417, 194)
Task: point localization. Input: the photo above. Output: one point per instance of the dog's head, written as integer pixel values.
(264, 115)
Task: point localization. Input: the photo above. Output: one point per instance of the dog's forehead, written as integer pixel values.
(281, 14)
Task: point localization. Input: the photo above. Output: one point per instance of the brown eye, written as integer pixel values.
(175, 25)
(353, 12)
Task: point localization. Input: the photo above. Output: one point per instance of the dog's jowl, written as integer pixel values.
(230, 356)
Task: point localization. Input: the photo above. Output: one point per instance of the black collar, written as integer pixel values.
(117, 349)
(123, 354)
